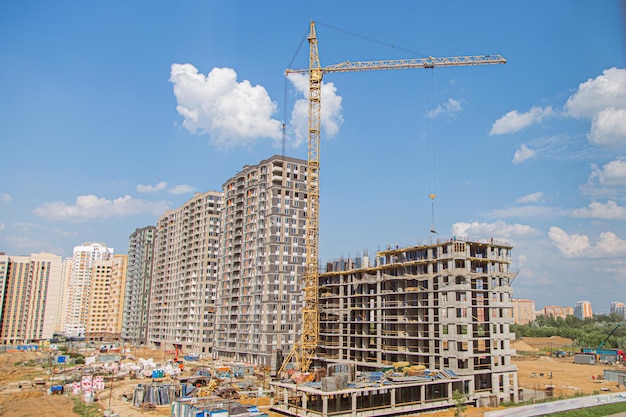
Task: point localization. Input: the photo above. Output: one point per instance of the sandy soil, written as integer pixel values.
(568, 379)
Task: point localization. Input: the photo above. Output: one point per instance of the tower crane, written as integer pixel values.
(303, 351)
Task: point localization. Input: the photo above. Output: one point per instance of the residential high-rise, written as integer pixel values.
(558, 311)
(138, 281)
(523, 311)
(31, 287)
(80, 284)
(262, 260)
(184, 274)
(617, 307)
(62, 305)
(106, 299)
(582, 309)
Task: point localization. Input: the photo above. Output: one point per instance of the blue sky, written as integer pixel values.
(113, 112)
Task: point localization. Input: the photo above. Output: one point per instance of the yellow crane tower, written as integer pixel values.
(303, 351)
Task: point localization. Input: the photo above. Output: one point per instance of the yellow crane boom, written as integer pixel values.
(304, 350)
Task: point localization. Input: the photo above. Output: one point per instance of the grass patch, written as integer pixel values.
(84, 409)
(597, 411)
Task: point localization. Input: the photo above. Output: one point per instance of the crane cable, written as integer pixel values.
(432, 181)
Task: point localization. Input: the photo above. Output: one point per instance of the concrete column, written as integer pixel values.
(354, 403)
(324, 405)
(423, 394)
(304, 409)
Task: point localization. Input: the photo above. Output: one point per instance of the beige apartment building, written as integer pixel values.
(558, 311)
(78, 292)
(262, 260)
(30, 297)
(523, 311)
(184, 276)
(583, 310)
(106, 300)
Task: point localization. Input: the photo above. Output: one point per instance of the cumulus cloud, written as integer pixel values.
(5, 198)
(526, 211)
(514, 121)
(232, 113)
(530, 198)
(608, 180)
(498, 229)
(451, 107)
(575, 246)
(609, 211)
(603, 100)
(330, 117)
(151, 188)
(522, 154)
(90, 207)
(182, 189)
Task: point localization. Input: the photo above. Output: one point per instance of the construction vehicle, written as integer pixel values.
(607, 355)
(303, 351)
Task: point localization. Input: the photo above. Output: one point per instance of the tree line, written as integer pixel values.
(585, 333)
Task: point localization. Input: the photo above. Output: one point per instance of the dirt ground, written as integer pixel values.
(568, 379)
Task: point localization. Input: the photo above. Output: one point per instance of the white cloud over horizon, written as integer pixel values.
(575, 246)
(603, 100)
(515, 121)
(163, 186)
(5, 198)
(91, 207)
(181, 189)
(608, 180)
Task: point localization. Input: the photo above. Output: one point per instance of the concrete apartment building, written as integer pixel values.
(583, 310)
(184, 276)
(444, 305)
(618, 308)
(523, 311)
(138, 281)
(78, 290)
(106, 299)
(558, 311)
(262, 260)
(30, 297)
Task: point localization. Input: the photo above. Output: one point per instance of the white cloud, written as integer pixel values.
(608, 127)
(5, 198)
(330, 118)
(608, 211)
(498, 229)
(603, 100)
(232, 113)
(90, 207)
(579, 246)
(1, 226)
(522, 154)
(182, 189)
(609, 180)
(514, 121)
(530, 198)
(151, 188)
(451, 107)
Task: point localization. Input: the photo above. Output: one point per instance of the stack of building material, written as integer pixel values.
(156, 394)
(329, 383)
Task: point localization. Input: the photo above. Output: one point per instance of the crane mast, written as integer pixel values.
(304, 350)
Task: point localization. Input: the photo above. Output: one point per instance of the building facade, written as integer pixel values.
(106, 299)
(138, 282)
(184, 276)
(617, 307)
(78, 291)
(582, 310)
(444, 306)
(31, 291)
(558, 311)
(262, 260)
(523, 311)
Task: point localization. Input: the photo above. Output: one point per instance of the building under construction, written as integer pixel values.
(420, 328)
